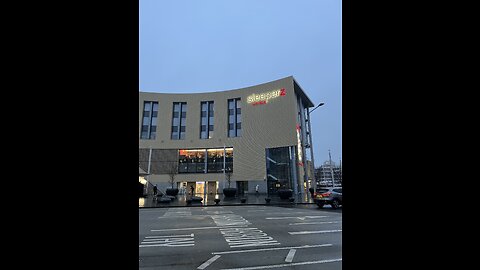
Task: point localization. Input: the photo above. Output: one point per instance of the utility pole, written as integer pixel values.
(341, 175)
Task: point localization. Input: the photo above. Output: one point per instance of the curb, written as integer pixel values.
(213, 205)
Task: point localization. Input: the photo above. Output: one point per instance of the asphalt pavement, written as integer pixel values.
(240, 237)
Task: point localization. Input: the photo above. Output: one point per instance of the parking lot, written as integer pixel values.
(240, 237)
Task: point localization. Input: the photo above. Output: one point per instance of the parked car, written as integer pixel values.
(328, 195)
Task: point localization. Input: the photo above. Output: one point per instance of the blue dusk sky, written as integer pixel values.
(190, 46)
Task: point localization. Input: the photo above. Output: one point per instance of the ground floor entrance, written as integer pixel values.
(242, 187)
(200, 188)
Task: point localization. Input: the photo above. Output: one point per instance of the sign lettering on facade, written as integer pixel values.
(263, 98)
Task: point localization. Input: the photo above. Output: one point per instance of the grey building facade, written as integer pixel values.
(260, 134)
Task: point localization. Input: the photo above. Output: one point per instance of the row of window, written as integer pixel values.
(205, 160)
(179, 117)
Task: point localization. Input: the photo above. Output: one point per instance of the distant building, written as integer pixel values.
(323, 174)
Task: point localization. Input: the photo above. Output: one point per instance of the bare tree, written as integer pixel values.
(172, 172)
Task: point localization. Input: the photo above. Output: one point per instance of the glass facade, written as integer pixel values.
(191, 161)
(279, 171)
(234, 117)
(229, 159)
(179, 118)
(149, 120)
(206, 120)
(215, 160)
(196, 160)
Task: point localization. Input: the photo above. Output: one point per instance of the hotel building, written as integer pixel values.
(260, 134)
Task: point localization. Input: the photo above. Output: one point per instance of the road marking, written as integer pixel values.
(247, 237)
(256, 210)
(168, 245)
(186, 235)
(270, 249)
(198, 228)
(219, 212)
(290, 255)
(283, 212)
(283, 265)
(279, 217)
(172, 212)
(169, 242)
(186, 216)
(207, 263)
(310, 232)
(302, 218)
(312, 223)
(229, 219)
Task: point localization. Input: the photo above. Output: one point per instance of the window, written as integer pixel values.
(229, 159)
(179, 119)
(234, 118)
(279, 170)
(206, 120)
(149, 121)
(215, 160)
(197, 160)
(191, 161)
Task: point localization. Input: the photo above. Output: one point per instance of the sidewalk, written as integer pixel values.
(208, 200)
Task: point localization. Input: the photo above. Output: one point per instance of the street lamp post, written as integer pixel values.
(331, 168)
(311, 146)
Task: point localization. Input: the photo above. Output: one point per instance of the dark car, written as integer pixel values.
(328, 195)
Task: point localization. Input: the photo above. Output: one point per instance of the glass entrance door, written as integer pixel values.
(199, 188)
(212, 187)
(242, 187)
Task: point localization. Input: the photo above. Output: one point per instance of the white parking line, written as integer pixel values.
(185, 216)
(189, 244)
(198, 228)
(218, 212)
(279, 217)
(313, 223)
(283, 265)
(185, 235)
(311, 232)
(283, 212)
(290, 255)
(207, 263)
(301, 217)
(270, 249)
(170, 241)
(247, 237)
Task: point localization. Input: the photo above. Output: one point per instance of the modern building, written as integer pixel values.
(329, 174)
(259, 134)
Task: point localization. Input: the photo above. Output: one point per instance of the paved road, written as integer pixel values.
(240, 237)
